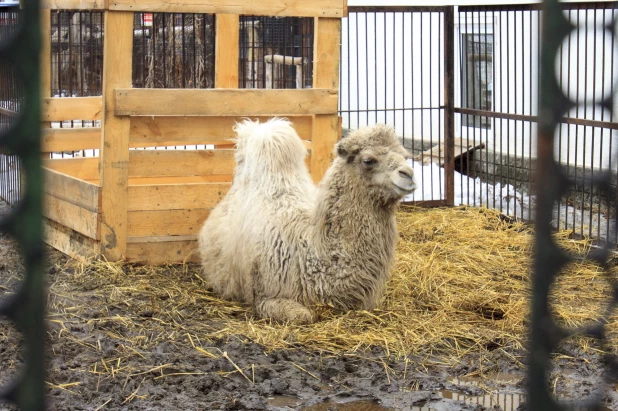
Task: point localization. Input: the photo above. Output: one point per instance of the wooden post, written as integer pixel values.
(226, 55)
(226, 51)
(326, 45)
(114, 157)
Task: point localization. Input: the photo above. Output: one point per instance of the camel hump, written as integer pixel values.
(271, 146)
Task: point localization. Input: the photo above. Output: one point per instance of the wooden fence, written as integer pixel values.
(148, 205)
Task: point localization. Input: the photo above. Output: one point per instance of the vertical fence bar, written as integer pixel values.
(449, 104)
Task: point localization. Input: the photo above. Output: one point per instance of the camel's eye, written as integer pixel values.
(368, 162)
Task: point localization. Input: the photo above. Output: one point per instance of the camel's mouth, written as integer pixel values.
(409, 189)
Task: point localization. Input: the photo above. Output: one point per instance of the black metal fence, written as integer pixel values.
(174, 50)
(498, 78)
(275, 52)
(393, 71)
(11, 101)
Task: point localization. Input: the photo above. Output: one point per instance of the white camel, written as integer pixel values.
(281, 244)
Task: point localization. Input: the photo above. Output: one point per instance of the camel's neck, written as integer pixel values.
(347, 217)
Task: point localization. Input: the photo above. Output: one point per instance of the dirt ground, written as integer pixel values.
(95, 364)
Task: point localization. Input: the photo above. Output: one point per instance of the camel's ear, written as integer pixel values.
(346, 150)
(341, 151)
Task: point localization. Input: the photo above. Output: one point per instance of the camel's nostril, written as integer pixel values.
(406, 173)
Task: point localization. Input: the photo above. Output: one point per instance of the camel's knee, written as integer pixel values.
(283, 310)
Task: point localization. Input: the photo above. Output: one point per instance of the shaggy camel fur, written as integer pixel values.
(281, 244)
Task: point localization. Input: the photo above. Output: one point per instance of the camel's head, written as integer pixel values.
(376, 156)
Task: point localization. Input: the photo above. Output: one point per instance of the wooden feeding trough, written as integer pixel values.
(148, 205)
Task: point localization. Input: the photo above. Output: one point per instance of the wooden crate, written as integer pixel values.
(149, 205)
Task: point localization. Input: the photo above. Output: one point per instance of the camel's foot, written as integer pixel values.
(283, 310)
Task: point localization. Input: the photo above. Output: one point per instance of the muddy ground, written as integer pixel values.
(92, 366)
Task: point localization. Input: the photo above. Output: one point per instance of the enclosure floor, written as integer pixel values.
(137, 337)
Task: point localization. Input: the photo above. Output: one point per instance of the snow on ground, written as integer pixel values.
(473, 191)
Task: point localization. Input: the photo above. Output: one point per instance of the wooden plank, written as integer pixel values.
(299, 8)
(325, 132)
(171, 131)
(287, 60)
(163, 252)
(71, 108)
(437, 153)
(325, 75)
(226, 51)
(69, 215)
(85, 168)
(69, 242)
(181, 162)
(176, 196)
(157, 223)
(224, 102)
(118, 49)
(73, 190)
(74, 4)
(144, 181)
(70, 139)
(161, 239)
(226, 54)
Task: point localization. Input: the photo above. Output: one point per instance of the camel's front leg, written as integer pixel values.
(283, 310)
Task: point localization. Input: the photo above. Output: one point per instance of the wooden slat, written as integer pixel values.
(118, 49)
(226, 51)
(181, 162)
(325, 129)
(69, 215)
(86, 168)
(69, 139)
(145, 181)
(74, 4)
(69, 242)
(157, 223)
(176, 196)
(163, 252)
(73, 190)
(222, 102)
(171, 131)
(71, 108)
(325, 75)
(300, 8)
(161, 239)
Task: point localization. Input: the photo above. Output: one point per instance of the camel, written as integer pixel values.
(282, 244)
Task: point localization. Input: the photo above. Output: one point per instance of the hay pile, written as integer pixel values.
(460, 284)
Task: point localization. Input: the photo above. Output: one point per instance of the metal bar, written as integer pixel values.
(430, 101)
(525, 117)
(449, 102)
(397, 9)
